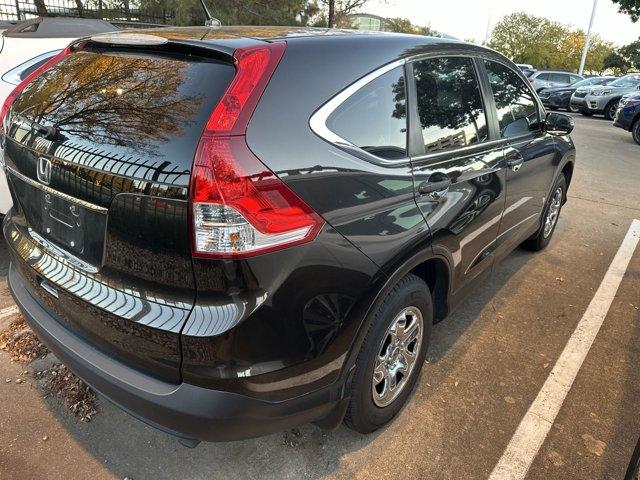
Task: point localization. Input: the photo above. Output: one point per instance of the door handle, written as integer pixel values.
(436, 187)
(515, 162)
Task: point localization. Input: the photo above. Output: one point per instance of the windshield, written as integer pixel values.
(628, 81)
(583, 83)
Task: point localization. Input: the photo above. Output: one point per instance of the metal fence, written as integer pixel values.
(17, 10)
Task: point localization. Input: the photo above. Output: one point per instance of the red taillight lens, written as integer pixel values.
(239, 207)
(32, 76)
(254, 67)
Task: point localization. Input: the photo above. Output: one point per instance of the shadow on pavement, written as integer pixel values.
(128, 448)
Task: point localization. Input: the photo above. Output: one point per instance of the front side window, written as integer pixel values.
(375, 117)
(517, 108)
(449, 103)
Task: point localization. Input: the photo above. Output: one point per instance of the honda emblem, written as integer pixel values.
(44, 170)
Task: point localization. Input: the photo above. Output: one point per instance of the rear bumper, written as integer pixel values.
(184, 410)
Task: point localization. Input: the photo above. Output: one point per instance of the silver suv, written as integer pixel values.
(604, 99)
(541, 79)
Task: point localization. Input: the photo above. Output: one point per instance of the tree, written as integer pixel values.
(631, 53)
(616, 62)
(230, 12)
(337, 9)
(547, 44)
(630, 7)
(404, 25)
(41, 8)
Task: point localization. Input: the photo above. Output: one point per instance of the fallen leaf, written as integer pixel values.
(555, 458)
(597, 447)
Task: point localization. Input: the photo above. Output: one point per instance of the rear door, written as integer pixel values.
(459, 182)
(530, 154)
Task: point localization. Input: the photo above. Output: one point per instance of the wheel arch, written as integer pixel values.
(567, 171)
(434, 269)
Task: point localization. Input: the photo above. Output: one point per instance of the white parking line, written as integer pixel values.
(7, 312)
(534, 427)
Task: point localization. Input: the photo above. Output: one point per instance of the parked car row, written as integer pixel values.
(616, 98)
(604, 99)
(555, 98)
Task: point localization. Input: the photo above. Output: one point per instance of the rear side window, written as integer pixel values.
(32, 68)
(543, 76)
(449, 103)
(560, 78)
(375, 117)
(517, 109)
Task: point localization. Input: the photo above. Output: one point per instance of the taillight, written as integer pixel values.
(32, 76)
(239, 207)
(254, 67)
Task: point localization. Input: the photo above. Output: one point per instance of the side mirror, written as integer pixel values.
(558, 124)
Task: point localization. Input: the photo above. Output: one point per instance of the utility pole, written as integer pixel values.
(486, 35)
(587, 41)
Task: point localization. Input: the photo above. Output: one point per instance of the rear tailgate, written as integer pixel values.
(99, 154)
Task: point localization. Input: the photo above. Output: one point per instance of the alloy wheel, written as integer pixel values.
(553, 212)
(397, 356)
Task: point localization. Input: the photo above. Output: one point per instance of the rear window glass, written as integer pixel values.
(137, 104)
(32, 68)
(375, 117)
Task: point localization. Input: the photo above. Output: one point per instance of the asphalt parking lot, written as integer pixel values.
(487, 363)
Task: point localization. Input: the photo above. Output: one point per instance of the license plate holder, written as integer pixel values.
(70, 224)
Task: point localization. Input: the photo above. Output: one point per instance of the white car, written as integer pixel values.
(26, 46)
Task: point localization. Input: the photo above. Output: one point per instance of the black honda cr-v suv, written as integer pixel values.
(231, 231)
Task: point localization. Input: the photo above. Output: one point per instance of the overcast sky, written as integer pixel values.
(468, 18)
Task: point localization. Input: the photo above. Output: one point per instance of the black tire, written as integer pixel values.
(635, 131)
(586, 113)
(542, 238)
(571, 109)
(363, 414)
(610, 109)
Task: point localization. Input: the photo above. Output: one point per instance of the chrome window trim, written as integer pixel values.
(470, 149)
(13, 75)
(318, 121)
(47, 189)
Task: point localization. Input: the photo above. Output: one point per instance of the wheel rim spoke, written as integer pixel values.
(553, 212)
(397, 356)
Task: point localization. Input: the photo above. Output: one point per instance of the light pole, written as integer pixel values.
(486, 35)
(587, 41)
